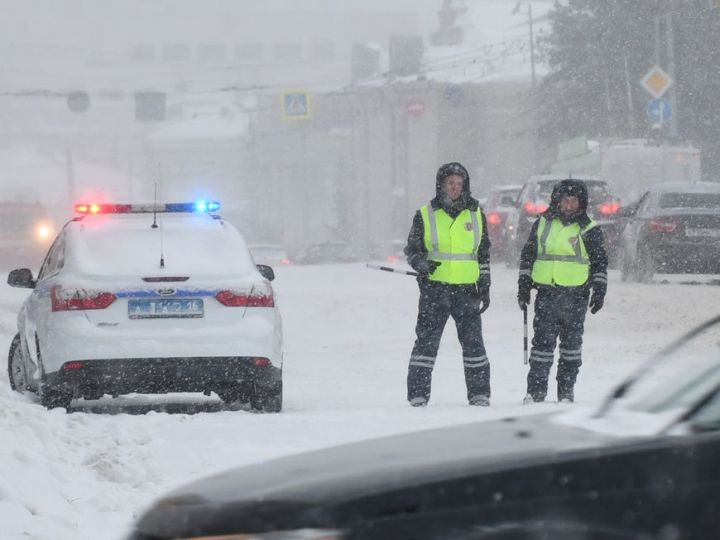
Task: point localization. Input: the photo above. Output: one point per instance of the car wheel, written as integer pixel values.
(267, 399)
(51, 396)
(54, 397)
(16, 366)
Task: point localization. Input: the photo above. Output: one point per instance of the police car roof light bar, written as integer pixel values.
(198, 206)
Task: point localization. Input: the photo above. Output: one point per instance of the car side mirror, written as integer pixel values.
(266, 271)
(21, 278)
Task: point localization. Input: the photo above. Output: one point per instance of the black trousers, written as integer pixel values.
(559, 312)
(438, 301)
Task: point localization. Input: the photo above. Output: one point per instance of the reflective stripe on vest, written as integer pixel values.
(453, 243)
(561, 258)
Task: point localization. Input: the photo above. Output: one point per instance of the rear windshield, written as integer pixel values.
(690, 200)
(597, 191)
(189, 246)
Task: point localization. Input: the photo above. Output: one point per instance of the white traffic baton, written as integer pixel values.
(525, 335)
(391, 269)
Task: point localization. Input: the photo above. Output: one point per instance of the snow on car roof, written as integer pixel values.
(686, 187)
(507, 187)
(126, 244)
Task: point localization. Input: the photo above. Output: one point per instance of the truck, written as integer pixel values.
(632, 166)
(629, 166)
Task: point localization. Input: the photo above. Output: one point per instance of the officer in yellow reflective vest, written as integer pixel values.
(448, 247)
(564, 258)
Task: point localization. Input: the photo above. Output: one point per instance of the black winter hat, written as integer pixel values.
(448, 170)
(574, 188)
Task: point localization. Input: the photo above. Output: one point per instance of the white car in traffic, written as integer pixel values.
(148, 299)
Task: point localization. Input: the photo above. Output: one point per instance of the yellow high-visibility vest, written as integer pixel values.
(454, 243)
(561, 258)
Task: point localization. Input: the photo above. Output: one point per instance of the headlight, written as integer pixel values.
(42, 231)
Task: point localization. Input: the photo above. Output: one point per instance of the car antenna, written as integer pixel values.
(154, 224)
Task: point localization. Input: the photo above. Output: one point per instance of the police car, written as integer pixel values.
(148, 299)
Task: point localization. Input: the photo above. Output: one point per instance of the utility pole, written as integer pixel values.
(671, 72)
(532, 45)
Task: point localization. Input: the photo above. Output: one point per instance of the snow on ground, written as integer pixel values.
(348, 332)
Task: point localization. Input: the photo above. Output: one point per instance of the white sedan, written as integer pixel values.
(148, 299)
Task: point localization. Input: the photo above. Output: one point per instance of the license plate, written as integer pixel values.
(165, 308)
(715, 233)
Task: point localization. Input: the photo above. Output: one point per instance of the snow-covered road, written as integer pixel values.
(348, 334)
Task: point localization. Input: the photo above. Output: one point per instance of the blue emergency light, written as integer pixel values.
(201, 206)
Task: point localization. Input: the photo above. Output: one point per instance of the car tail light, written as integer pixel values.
(493, 218)
(261, 362)
(286, 261)
(232, 298)
(610, 208)
(72, 365)
(535, 208)
(662, 226)
(70, 299)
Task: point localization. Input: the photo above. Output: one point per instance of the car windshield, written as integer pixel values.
(597, 191)
(690, 200)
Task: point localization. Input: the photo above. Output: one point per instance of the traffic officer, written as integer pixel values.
(564, 258)
(448, 247)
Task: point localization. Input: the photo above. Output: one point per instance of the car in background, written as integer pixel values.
(25, 233)
(148, 299)
(534, 199)
(500, 211)
(673, 228)
(643, 464)
(326, 252)
(269, 254)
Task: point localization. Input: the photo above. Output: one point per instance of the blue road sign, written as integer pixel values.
(659, 111)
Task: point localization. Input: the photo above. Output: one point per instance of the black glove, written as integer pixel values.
(598, 298)
(525, 284)
(425, 267)
(483, 296)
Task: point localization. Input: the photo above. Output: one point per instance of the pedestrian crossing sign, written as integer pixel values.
(296, 105)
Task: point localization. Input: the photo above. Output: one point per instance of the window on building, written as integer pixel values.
(321, 51)
(211, 52)
(143, 54)
(287, 51)
(249, 51)
(176, 52)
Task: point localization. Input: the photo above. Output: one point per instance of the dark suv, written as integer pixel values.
(534, 199)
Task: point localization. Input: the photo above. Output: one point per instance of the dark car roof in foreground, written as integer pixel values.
(334, 475)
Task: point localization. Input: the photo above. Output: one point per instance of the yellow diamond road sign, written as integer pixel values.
(656, 81)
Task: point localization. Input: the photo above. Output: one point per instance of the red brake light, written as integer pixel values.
(662, 226)
(609, 208)
(286, 261)
(392, 258)
(242, 299)
(262, 362)
(535, 208)
(72, 365)
(79, 299)
(493, 218)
